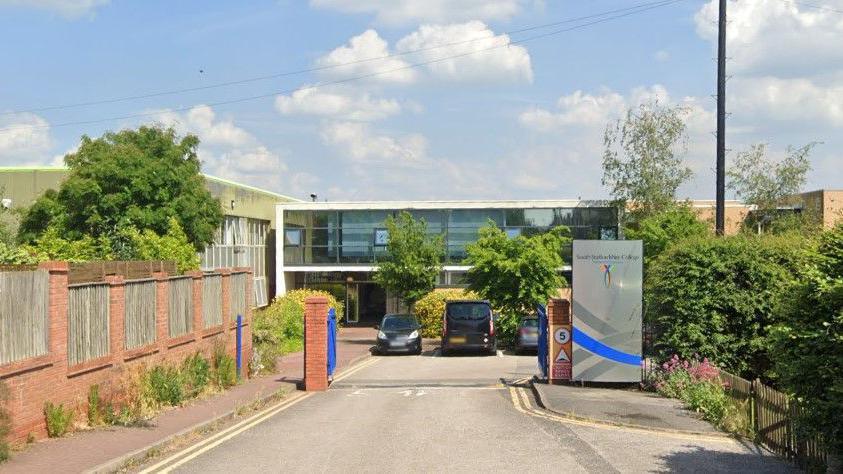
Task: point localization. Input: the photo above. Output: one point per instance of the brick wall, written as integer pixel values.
(33, 382)
(315, 343)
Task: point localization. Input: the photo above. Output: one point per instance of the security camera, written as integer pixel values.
(313, 197)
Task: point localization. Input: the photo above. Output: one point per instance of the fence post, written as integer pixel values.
(162, 309)
(116, 313)
(57, 342)
(225, 288)
(753, 405)
(198, 321)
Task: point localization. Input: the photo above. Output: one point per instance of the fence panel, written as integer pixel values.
(211, 300)
(141, 306)
(86, 272)
(238, 295)
(24, 301)
(181, 306)
(87, 322)
(773, 421)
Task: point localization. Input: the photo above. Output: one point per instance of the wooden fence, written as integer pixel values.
(772, 416)
(181, 306)
(211, 300)
(23, 314)
(87, 272)
(238, 295)
(141, 306)
(87, 322)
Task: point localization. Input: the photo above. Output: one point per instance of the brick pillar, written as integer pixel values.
(225, 285)
(57, 311)
(247, 318)
(117, 313)
(198, 321)
(559, 334)
(315, 344)
(162, 309)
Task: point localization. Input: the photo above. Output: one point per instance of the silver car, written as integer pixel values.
(527, 338)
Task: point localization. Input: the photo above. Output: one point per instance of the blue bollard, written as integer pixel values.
(239, 344)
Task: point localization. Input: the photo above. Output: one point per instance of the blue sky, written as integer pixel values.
(521, 121)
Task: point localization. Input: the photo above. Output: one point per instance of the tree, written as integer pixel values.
(660, 231)
(769, 184)
(516, 273)
(414, 258)
(133, 178)
(642, 161)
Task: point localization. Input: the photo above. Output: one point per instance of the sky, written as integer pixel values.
(419, 99)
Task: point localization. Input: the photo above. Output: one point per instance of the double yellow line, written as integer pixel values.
(186, 455)
(521, 402)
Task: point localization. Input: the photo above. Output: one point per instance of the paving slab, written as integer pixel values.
(621, 406)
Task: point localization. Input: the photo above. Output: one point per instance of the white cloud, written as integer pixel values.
(479, 56)
(357, 142)
(336, 104)
(25, 140)
(798, 100)
(661, 56)
(70, 9)
(357, 56)
(396, 12)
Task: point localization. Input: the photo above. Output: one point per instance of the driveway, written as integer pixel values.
(453, 414)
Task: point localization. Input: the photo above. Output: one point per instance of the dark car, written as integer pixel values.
(527, 337)
(399, 333)
(469, 325)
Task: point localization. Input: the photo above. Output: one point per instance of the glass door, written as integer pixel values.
(352, 303)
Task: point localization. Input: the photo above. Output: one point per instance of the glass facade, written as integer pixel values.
(344, 237)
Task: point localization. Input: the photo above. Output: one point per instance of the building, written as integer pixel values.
(246, 237)
(336, 246)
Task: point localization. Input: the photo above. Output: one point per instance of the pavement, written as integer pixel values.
(621, 406)
(105, 449)
(454, 414)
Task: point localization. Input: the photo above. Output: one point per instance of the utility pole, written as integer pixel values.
(720, 209)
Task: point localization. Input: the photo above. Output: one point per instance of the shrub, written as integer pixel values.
(698, 385)
(660, 231)
(5, 422)
(431, 307)
(716, 297)
(147, 245)
(303, 293)
(58, 419)
(10, 255)
(224, 374)
(95, 406)
(52, 246)
(165, 385)
(196, 374)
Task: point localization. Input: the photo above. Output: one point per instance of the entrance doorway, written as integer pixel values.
(365, 303)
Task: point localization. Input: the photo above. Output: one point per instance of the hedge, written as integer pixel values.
(430, 308)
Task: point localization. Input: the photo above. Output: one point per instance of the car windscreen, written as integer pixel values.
(469, 311)
(530, 323)
(397, 323)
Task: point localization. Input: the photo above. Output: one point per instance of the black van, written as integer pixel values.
(468, 324)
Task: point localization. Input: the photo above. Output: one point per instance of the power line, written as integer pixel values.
(350, 79)
(632, 9)
(814, 6)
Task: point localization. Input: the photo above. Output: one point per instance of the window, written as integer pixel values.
(513, 232)
(608, 233)
(381, 237)
(292, 237)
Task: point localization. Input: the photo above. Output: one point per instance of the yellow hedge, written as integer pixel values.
(430, 308)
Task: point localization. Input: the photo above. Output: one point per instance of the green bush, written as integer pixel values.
(431, 307)
(5, 422)
(808, 343)
(165, 385)
(196, 374)
(10, 255)
(58, 418)
(660, 231)
(224, 374)
(95, 406)
(717, 297)
(303, 293)
(147, 245)
(52, 246)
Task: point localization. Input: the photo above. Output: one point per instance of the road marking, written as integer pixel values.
(521, 402)
(213, 441)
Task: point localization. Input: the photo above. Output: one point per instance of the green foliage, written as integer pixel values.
(302, 294)
(414, 258)
(515, 274)
(196, 375)
(5, 422)
(52, 246)
(660, 230)
(166, 385)
(95, 406)
(430, 309)
(147, 245)
(224, 373)
(808, 341)
(716, 298)
(642, 161)
(132, 178)
(59, 419)
(11, 255)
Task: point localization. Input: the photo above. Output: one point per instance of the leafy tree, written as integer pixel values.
(770, 184)
(808, 343)
(516, 273)
(147, 245)
(133, 178)
(414, 258)
(52, 246)
(717, 297)
(642, 161)
(660, 231)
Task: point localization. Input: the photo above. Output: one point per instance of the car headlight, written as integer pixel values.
(413, 335)
(381, 335)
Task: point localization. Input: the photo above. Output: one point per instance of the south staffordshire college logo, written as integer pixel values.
(606, 269)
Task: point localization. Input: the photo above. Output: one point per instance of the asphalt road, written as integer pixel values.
(453, 414)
